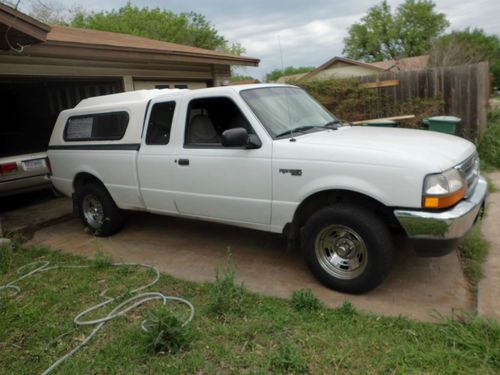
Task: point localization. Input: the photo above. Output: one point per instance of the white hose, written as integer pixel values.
(120, 309)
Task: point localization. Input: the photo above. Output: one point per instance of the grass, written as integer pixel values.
(265, 335)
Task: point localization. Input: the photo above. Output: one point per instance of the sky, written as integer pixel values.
(310, 32)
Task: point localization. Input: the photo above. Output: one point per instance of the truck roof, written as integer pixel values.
(146, 95)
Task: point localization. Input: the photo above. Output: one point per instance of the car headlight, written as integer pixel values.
(443, 189)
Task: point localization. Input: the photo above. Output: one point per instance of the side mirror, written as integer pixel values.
(237, 137)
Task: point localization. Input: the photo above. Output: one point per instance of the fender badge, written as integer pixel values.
(293, 172)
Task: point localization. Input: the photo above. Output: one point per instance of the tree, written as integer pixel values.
(384, 35)
(467, 47)
(277, 73)
(190, 28)
(240, 77)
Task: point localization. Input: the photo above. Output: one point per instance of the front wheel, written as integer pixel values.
(98, 211)
(347, 248)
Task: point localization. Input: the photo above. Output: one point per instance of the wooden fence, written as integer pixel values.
(464, 89)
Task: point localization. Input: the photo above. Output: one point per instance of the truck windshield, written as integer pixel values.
(287, 111)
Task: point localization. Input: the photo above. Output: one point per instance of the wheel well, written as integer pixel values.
(328, 197)
(82, 179)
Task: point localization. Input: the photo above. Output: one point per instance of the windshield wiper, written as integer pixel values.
(299, 129)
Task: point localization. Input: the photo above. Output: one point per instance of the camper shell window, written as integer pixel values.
(96, 127)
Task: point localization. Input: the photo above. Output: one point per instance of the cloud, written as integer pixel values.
(311, 32)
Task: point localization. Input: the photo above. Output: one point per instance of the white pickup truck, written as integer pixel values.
(269, 157)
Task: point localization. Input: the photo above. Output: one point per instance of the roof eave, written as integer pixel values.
(112, 53)
(23, 23)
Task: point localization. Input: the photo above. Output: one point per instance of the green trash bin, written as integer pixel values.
(443, 124)
(382, 123)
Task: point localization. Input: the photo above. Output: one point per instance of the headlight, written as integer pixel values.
(444, 189)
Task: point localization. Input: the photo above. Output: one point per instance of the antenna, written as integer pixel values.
(281, 52)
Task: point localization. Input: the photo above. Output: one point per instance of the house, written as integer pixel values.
(45, 69)
(342, 67)
(245, 82)
(290, 78)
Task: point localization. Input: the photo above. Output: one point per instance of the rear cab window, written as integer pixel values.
(160, 123)
(96, 127)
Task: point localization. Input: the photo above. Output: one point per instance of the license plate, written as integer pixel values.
(30, 165)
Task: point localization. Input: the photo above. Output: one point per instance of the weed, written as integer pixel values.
(492, 188)
(6, 257)
(102, 259)
(225, 296)
(305, 300)
(165, 332)
(472, 252)
(288, 359)
(347, 309)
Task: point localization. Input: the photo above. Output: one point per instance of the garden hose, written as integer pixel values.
(121, 309)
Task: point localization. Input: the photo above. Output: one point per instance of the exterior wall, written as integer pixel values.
(343, 71)
(221, 74)
(151, 84)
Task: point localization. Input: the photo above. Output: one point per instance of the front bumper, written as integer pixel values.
(437, 233)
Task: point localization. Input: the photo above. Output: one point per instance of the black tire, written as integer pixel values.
(376, 242)
(112, 215)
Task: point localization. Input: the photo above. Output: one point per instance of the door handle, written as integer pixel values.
(183, 161)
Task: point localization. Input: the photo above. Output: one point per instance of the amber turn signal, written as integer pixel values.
(445, 200)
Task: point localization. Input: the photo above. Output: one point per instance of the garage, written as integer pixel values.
(45, 69)
(30, 106)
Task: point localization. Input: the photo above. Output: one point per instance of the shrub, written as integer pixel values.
(288, 359)
(165, 332)
(489, 143)
(346, 100)
(305, 300)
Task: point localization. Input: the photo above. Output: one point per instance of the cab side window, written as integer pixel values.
(208, 118)
(160, 123)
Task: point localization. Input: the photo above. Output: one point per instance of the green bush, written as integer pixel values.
(288, 359)
(489, 143)
(305, 300)
(347, 101)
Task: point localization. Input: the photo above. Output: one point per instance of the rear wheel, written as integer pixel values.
(348, 248)
(98, 211)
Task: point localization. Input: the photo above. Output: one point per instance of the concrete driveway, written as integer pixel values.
(417, 287)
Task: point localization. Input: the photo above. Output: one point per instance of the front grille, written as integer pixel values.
(470, 171)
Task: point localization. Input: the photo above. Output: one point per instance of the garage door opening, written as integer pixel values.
(30, 106)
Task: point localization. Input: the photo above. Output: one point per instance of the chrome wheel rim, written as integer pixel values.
(93, 211)
(341, 252)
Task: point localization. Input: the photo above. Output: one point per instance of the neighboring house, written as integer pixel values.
(342, 67)
(292, 77)
(245, 82)
(45, 69)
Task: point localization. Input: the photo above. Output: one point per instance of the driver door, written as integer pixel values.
(216, 182)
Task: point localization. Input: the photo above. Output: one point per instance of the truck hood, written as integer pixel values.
(399, 145)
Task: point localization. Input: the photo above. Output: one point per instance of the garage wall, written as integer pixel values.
(166, 84)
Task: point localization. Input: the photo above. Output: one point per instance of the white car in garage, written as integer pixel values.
(24, 173)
